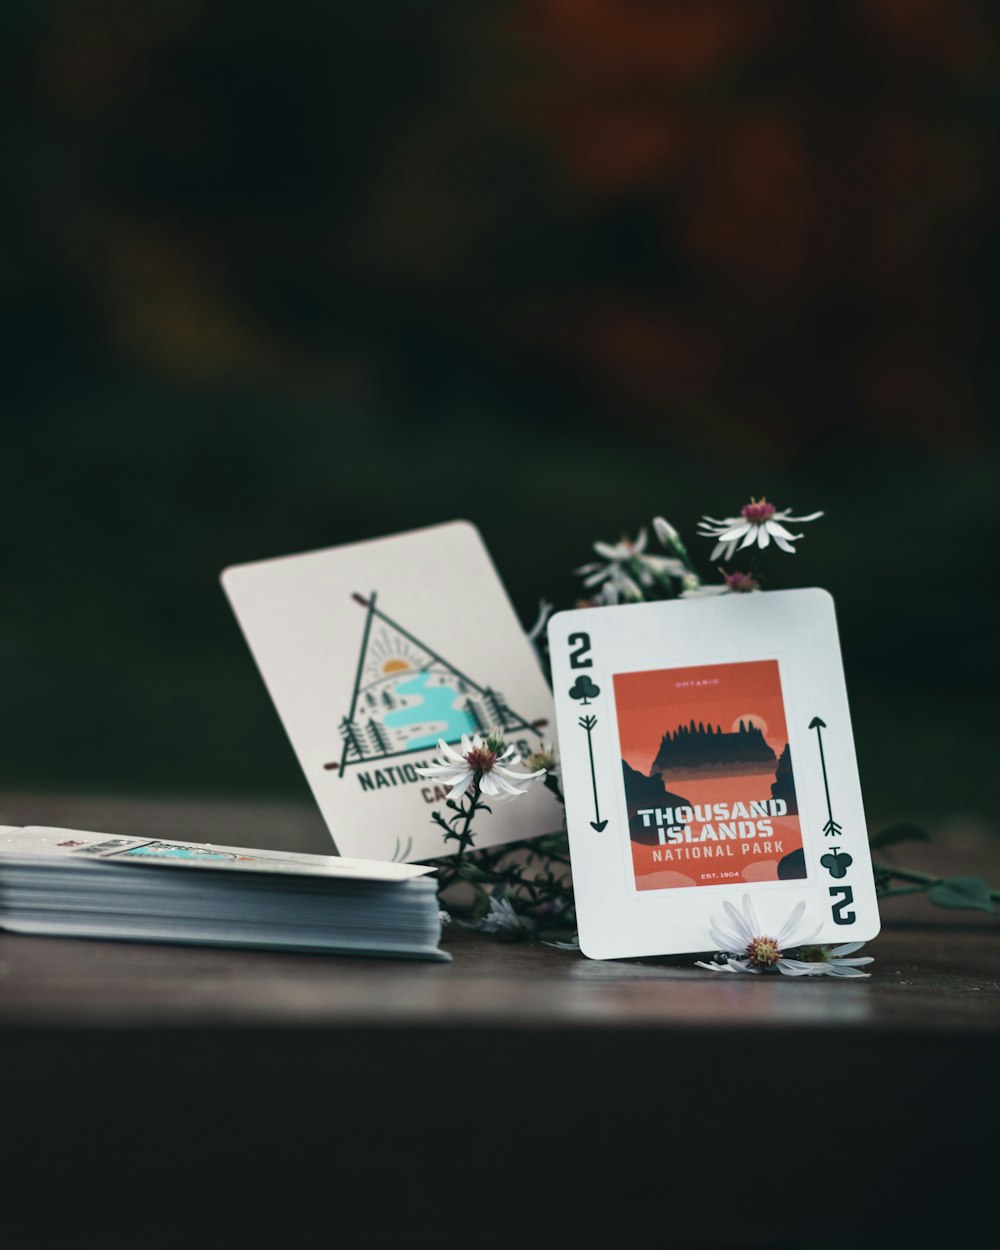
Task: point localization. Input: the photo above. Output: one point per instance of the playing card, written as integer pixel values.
(45, 843)
(372, 653)
(707, 755)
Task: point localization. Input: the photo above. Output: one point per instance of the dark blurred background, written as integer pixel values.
(284, 276)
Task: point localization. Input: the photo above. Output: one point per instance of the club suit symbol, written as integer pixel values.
(584, 690)
(836, 863)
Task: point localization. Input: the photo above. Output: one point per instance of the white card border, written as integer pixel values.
(617, 921)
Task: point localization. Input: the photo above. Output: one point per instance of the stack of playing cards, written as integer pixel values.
(61, 882)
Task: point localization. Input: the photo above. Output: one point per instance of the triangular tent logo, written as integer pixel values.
(406, 697)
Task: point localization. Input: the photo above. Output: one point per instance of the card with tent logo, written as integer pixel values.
(374, 652)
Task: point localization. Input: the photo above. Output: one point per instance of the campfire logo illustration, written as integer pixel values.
(407, 696)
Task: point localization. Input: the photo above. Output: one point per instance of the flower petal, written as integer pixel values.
(729, 942)
(753, 924)
(745, 933)
(788, 928)
(798, 968)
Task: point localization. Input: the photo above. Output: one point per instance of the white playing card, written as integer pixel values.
(707, 755)
(371, 653)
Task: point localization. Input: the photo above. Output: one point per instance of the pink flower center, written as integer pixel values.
(481, 759)
(741, 583)
(763, 952)
(758, 511)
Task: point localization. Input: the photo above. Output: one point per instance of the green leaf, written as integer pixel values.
(903, 832)
(970, 892)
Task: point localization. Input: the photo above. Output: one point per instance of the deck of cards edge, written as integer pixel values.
(707, 755)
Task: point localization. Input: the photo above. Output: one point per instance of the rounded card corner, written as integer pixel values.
(590, 951)
(461, 522)
(820, 592)
(558, 616)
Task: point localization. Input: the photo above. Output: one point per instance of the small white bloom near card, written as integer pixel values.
(707, 755)
(372, 653)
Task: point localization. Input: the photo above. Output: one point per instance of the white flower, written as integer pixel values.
(619, 588)
(502, 918)
(665, 532)
(759, 522)
(832, 961)
(732, 584)
(478, 760)
(626, 567)
(748, 948)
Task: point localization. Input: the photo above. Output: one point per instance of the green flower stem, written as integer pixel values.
(465, 836)
(551, 783)
(923, 880)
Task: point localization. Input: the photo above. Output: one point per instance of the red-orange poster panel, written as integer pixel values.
(708, 776)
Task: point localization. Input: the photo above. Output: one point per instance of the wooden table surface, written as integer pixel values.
(157, 1095)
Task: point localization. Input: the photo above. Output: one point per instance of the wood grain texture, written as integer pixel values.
(155, 1096)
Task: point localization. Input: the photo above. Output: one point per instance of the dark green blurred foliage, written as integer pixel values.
(285, 276)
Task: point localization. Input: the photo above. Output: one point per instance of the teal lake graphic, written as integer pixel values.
(438, 706)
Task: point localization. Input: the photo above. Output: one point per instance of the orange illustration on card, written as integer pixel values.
(709, 785)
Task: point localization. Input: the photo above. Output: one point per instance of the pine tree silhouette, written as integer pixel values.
(693, 745)
(352, 740)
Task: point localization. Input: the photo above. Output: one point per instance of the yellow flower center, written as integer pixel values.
(763, 952)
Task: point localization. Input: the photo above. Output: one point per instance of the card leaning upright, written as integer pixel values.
(707, 754)
(372, 653)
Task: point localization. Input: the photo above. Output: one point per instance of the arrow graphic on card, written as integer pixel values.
(587, 723)
(831, 828)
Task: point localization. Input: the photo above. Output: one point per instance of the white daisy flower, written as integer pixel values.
(759, 522)
(732, 584)
(479, 759)
(502, 918)
(619, 588)
(747, 948)
(834, 961)
(625, 567)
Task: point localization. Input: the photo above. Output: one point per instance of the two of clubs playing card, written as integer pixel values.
(707, 756)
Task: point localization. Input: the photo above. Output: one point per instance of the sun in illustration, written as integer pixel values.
(748, 719)
(395, 665)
